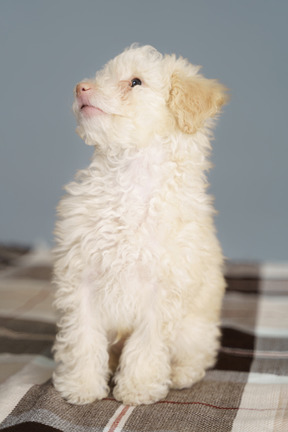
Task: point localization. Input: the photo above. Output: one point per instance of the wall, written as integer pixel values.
(48, 46)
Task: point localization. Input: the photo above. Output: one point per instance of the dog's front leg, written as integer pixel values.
(81, 354)
(144, 370)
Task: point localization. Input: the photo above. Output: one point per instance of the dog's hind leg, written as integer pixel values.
(193, 351)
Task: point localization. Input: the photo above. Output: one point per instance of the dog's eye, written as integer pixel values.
(135, 81)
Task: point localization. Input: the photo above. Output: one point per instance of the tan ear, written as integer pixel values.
(195, 99)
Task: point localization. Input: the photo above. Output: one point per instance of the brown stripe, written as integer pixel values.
(28, 326)
(6, 333)
(26, 347)
(245, 285)
(8, 254)
(38, 272)
(26, 337)
(235, 339)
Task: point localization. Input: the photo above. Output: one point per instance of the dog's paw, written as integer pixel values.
(185, 376)
(133, 395)
(80, 392)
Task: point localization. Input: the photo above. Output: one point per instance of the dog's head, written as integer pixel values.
(140, 93)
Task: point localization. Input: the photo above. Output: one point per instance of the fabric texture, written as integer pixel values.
(246, 391)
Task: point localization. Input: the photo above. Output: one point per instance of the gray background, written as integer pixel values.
(48, 46)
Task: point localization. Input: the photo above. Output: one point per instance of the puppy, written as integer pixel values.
(138, 265)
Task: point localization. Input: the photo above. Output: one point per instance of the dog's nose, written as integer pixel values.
(82, 87)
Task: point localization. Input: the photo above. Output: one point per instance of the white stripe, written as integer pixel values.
(254, 353)
(272, 316)
(273, 270)
(241, 377)
(258, 408)
(113, 418)
(262, 378)
(122, 421)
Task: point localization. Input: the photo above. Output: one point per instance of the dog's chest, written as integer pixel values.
(118, 237)
(123, 192)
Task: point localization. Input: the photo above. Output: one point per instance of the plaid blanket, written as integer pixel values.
(246, 391)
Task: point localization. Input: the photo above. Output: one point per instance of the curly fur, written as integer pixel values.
(138, 266)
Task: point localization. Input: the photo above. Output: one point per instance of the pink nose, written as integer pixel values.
(82, 87)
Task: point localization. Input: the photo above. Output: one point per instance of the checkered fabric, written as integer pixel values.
(246, 391)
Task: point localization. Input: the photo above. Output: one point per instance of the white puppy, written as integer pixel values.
(138, 265)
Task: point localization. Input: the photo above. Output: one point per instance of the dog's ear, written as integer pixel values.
(193, 99)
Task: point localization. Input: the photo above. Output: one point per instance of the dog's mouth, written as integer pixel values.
(87, 108)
